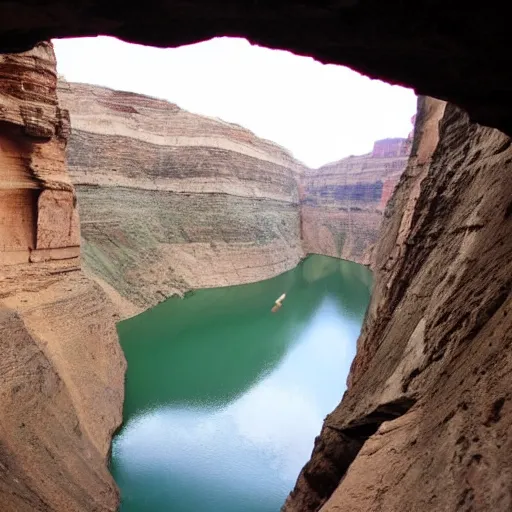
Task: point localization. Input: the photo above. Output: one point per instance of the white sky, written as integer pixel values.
(321, 113)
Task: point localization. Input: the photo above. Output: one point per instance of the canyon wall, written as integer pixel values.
(426, 420)
(171, 200)
(342, 203)
(62, 370)
(38, 215)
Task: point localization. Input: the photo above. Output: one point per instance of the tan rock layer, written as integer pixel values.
(151, 244)
(62, 369)
(62, 393)
(426, 421)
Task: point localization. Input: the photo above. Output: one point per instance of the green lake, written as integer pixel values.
(224, 398)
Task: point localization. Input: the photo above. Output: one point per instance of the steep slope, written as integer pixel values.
(425, 423)
(62, 370)
(172, 200)
(342, 203)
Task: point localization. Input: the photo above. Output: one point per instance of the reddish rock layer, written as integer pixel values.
(62, 370)
(38, 216)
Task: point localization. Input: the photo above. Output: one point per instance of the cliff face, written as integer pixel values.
(61, 390)
(172, 200)
(38, 217)
(425, 423)
(342, 203)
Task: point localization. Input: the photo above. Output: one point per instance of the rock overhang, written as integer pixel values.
(456, 51)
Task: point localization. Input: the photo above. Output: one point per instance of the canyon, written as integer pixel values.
(171, 201)
(426, 421)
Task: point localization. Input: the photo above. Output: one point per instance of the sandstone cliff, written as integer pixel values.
(38, 216)
(172, 200)
(61, 368)
(425, 423)
(342, 203)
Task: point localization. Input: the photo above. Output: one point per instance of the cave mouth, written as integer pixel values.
(318, 112)
(241, 121)
(358, 194)
(224, 398)
(224, 415)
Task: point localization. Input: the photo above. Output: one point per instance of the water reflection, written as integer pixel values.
(224, 399)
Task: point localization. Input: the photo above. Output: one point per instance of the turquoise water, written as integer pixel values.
(224, 398)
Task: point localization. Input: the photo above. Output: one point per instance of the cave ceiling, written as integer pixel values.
(454, 50)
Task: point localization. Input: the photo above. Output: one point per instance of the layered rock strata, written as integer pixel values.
(342, 203)
(62, 370)
(171, 200)
(426, 421)
(38, 215)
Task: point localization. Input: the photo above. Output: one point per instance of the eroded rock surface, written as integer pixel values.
(171, 200)
(38, 216)
(61, 368)
(426, 421)
(342, 203)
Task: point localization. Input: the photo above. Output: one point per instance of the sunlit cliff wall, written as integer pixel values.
(171, 200)
(61, 367)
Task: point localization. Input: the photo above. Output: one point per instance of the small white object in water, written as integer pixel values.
(278, 303)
